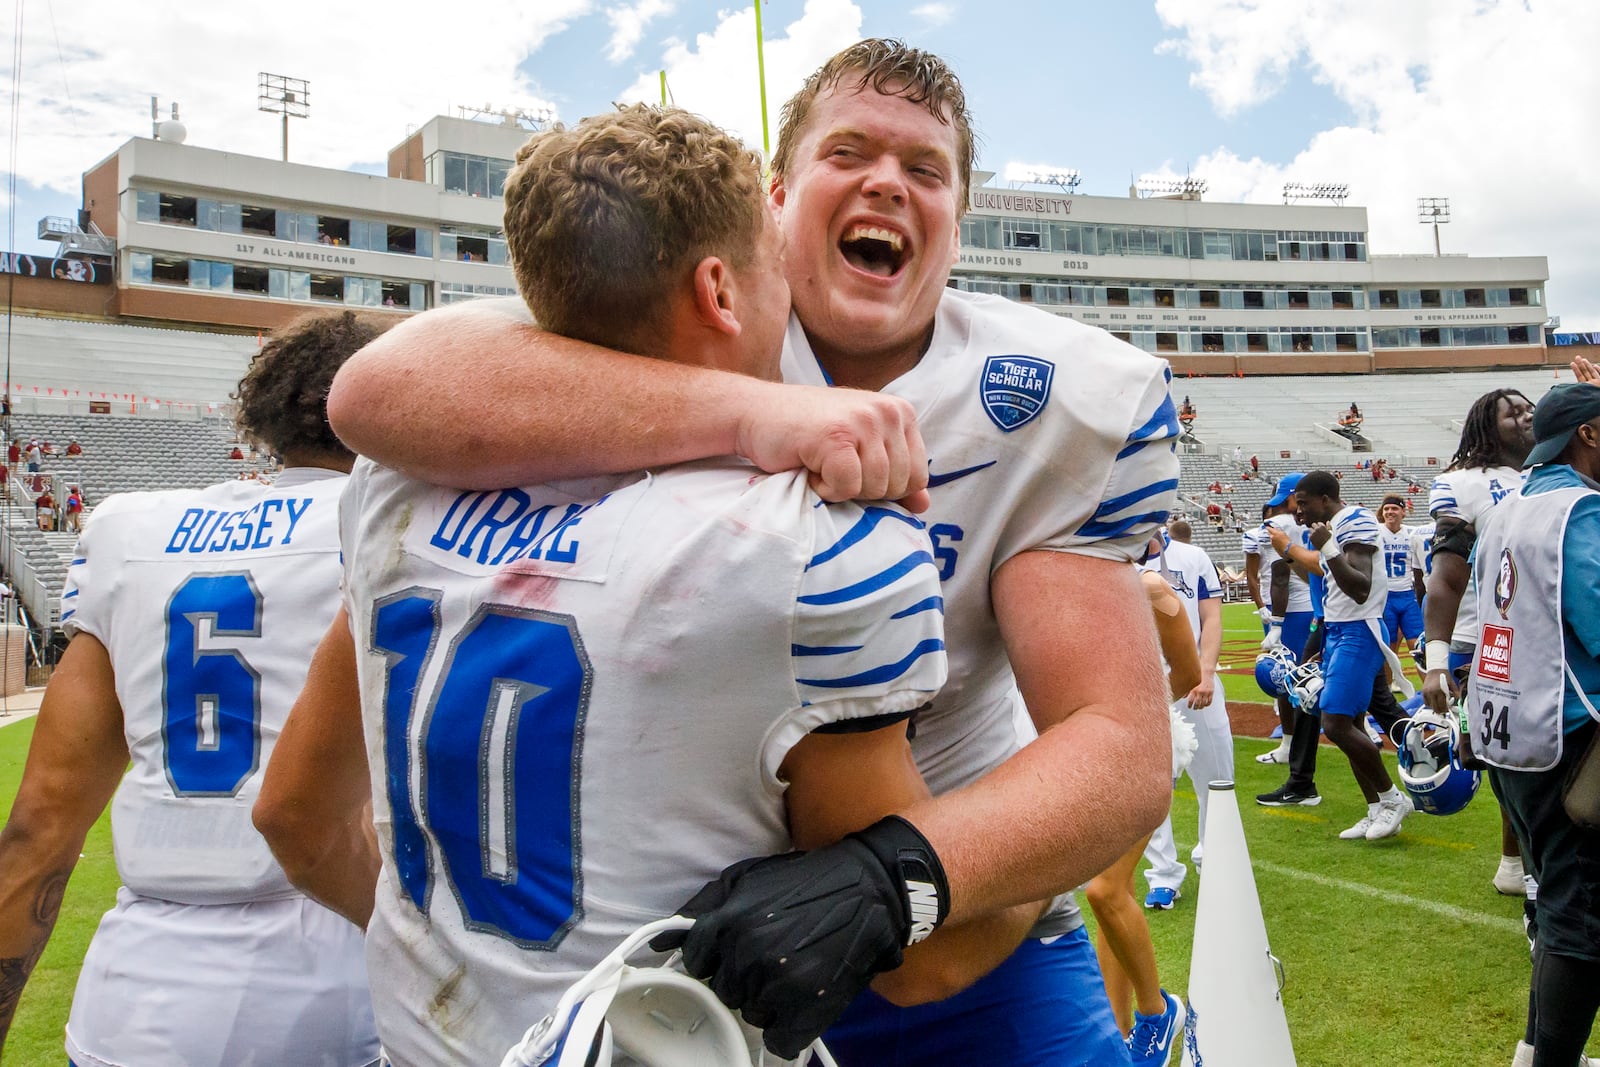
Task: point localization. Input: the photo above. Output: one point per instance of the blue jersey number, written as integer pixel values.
(499, 753)
(1395, 563)
(944, 535)
(210, 697)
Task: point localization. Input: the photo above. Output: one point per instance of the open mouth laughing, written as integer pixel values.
(874, 250)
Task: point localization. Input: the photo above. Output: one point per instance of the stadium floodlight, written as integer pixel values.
(1335, 191)
(280, 95)
(1066, 180)
(1434, 209)
(1188, 187)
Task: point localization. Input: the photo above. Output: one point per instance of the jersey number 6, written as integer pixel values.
(498, 758)
(210, 697)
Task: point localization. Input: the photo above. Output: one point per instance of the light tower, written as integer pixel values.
(1434, 209)
(280, 95)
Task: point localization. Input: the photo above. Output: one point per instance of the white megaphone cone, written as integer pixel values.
(1235, 1005)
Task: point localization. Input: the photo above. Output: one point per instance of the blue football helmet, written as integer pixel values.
(1305, 686)
(1272, 671)
(1430, 764)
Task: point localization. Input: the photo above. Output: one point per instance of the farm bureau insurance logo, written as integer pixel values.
(1494, 654)
(1505, 583)
(1014, 389)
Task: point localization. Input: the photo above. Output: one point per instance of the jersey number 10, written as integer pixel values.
(498, 758)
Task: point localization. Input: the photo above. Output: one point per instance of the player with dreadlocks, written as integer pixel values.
(1486, 469)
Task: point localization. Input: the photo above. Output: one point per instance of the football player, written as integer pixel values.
(1354, 650)
(1046, 482)
(1289, 616)
(1402, 613)
(584, 699)
(192, 616)
(1485, 470)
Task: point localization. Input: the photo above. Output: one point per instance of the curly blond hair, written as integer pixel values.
(604, 220)
(892, 68)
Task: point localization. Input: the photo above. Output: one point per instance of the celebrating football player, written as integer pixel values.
(1052, 463)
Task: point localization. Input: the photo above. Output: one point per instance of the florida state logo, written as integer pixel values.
(1505, 583)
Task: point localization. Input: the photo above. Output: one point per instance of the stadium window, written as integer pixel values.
(1388, 299)
(472, 249)
(1211, 342)
(1519, 335)
(1269, 247)
(178, 210)
(1254, 299)
(1164, 298)
(1386, 338)
(167, 270)
(262, 221)
(1025, 293)
(1410, 299)
(140, 265)
(328, 287)
(1122, 335)
(1302, 342)
(1344, 299)
(499, 170)
(397, 295)
(219, 216)
(297, 226)
(1256, 342)
(1116, 296)
(1024, 240)
(1431, 298)
(1518, 297)
(1289, 250)
(1429, 337)
(1210, 298)
(146, 205)
(1473, 336)
(477, 176)
(1166, 342)
(1252, 246)
(333, 231)
(1321, 300)
(250, 280)
(1299, 300)
(1345, 342)
(455, 173)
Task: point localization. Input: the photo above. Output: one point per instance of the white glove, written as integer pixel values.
(1265, 613)
(1274, 637)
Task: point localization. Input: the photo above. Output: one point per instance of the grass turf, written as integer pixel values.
(1394, 952)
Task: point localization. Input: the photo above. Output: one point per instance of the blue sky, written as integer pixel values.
(1489, 102)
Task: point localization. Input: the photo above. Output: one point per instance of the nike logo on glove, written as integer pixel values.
(936, 480)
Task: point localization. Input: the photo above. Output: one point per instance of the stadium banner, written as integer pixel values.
(85, 271)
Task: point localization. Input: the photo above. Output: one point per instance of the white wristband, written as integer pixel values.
(1330, 549)
(1438, 655)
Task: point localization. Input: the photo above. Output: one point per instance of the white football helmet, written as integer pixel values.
(658, 1015)
(1305, 686)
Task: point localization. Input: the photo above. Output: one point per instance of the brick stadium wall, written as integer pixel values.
(100, 196)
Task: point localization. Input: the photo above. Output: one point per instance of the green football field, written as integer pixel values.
(1395, 952)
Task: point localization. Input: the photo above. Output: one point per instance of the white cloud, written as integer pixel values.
(715, 76)
(1491, 103)
(370, 74)
(936, 14)
(628, 23)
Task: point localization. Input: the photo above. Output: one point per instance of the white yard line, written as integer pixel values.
(1449, 911)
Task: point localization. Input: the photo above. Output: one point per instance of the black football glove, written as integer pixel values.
(790, 940)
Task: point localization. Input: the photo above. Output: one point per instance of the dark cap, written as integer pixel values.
(1558, 414)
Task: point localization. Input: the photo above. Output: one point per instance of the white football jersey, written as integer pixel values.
(577, 698)
(1394, 556)
(1019, 461)
(210, 603)
(1250, 541)
(1299, 590)
(1354, 525)
(1192, 575)
(1470, 494)
(1422, 548)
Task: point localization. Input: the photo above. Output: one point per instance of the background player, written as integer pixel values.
(1044, 488)
(1354, 649)
(193, 614)
(1122, 935)
(1193, 577)
(1402, 610)
(666, 752)
(1485, 470)
(1289, 617)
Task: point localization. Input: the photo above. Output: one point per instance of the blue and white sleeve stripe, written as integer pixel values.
(1442, 498)
(1143, 484)
(869, 615)
(1359, 527)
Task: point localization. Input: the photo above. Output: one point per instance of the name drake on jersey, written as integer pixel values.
(257, 527)
(510, 528)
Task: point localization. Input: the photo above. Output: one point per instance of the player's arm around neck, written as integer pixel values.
(477, 397)
(842, 783)
(1174, 634)
(315, 805)
(1080, 638)
(76, 759)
